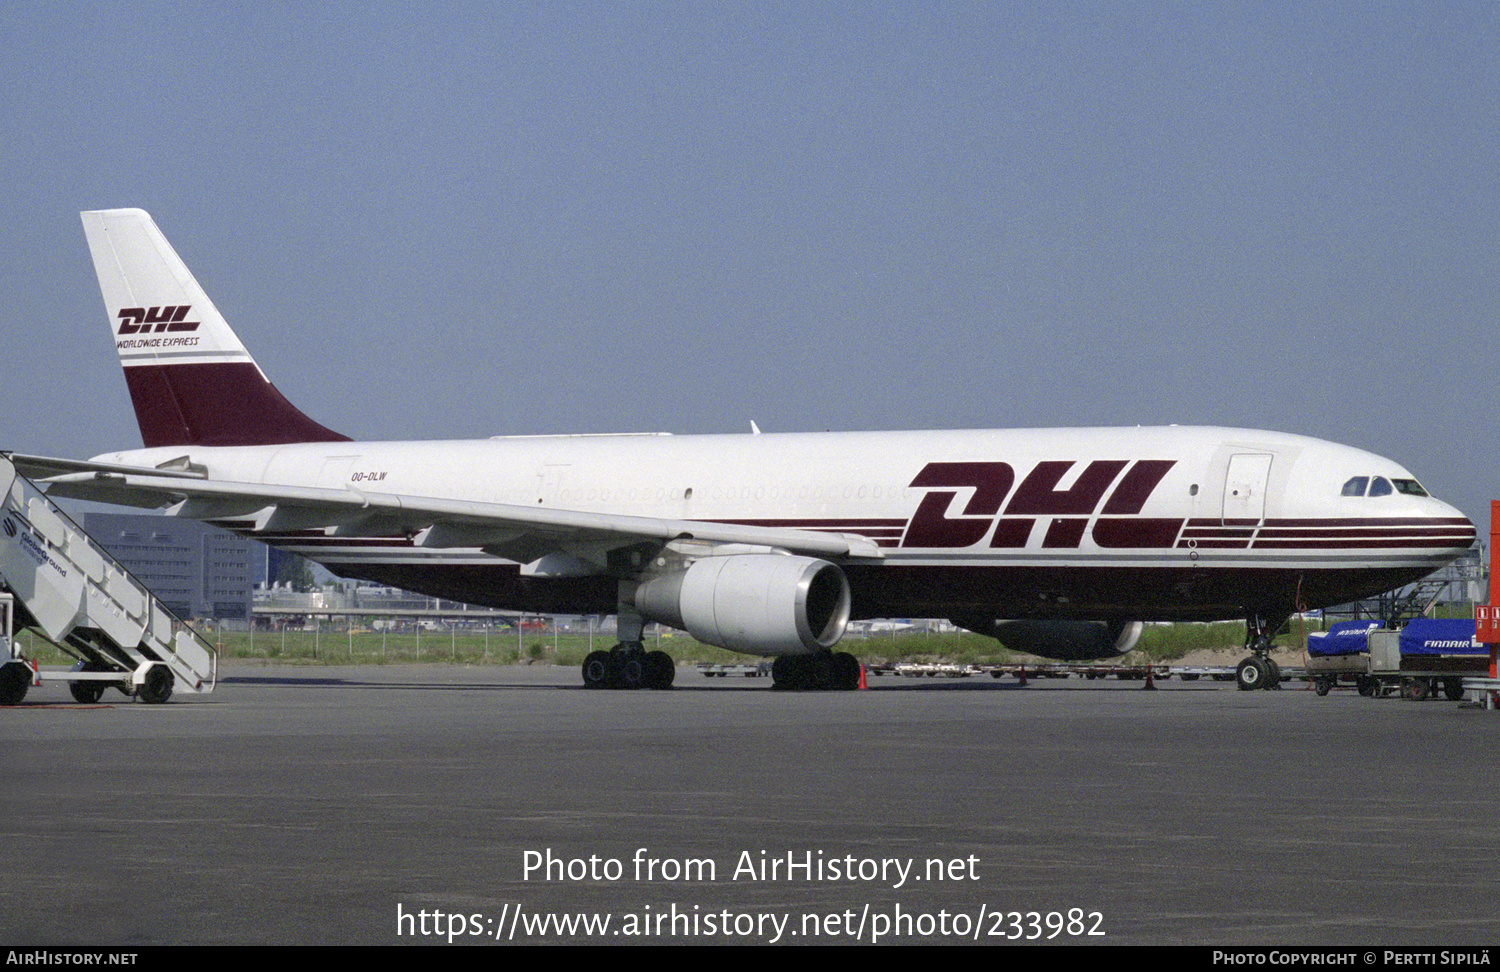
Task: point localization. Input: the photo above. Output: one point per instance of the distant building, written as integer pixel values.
(197, 570)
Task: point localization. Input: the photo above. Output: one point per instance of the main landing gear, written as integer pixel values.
(1260, 670)
(838, 671)
(628, 665)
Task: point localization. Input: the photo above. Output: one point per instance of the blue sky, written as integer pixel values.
(455, 220)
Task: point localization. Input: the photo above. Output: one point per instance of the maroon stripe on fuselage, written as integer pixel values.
(403, 543)
(1401, 543)
(222, 404)
(1334, 533)
(1354, 534)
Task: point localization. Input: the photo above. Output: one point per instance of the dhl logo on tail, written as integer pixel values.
(140, 320)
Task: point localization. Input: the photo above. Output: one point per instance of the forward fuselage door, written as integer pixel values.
(1245, 487)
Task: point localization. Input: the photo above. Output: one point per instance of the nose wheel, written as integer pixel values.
(1260, 670)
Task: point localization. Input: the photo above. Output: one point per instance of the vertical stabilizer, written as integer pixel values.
(191, 380)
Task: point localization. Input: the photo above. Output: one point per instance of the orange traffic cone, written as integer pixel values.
(862, 683)
(1021, 678)
(1150, 685)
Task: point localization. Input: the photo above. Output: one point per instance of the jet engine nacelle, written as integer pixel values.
(761, 604)
(1069, 640)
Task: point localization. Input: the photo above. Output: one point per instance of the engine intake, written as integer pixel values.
(761, 604)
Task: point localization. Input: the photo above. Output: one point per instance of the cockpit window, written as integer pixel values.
(1380, 486)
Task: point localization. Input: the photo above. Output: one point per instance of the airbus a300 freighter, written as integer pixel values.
(1059, 542)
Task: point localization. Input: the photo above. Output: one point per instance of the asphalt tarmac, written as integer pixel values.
(414, 804)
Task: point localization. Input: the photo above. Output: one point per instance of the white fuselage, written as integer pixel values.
(1169, 522)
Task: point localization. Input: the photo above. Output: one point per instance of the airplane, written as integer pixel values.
(1057, 542)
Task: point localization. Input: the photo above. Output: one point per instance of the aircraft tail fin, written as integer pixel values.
(191, 380)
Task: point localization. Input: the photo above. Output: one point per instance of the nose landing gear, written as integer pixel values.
(1260, 670)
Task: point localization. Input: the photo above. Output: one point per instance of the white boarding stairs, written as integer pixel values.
(67, 588)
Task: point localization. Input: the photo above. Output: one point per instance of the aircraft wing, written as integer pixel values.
(523, 534)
